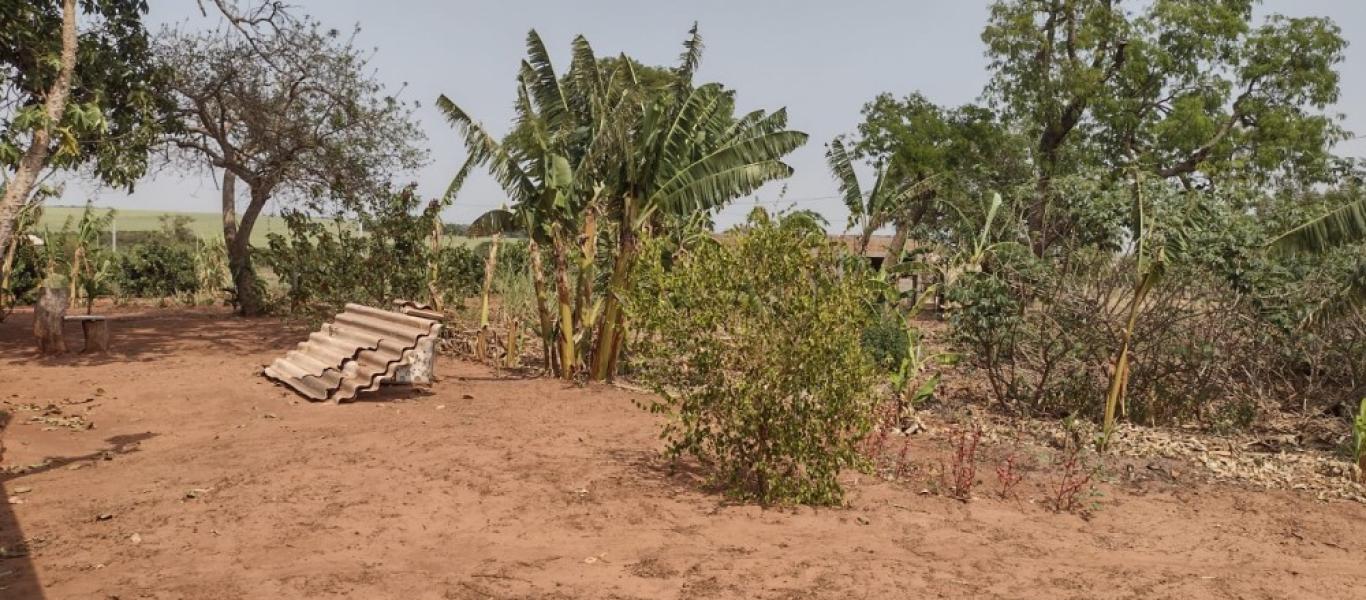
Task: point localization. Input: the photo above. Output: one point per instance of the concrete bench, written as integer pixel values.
(96, 330)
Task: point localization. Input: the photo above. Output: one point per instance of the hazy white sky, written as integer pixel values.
(821, 59)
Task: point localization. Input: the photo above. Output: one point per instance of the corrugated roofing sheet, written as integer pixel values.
(360, 349)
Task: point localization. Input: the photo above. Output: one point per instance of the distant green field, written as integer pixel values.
(206, 225)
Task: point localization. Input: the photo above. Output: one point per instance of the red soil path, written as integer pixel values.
(217, 484)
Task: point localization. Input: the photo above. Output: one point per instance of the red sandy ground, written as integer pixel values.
(489, 487)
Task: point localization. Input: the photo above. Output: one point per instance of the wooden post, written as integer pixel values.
(47, 319)
(96, 334)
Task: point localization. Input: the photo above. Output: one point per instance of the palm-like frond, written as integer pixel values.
(717, 186)
(688, 61)
(458, 181)
(1340, 227)
(484, 149)
(550, 95)
(843, 169)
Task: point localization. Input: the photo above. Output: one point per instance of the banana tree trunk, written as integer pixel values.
(1119, 382)
(564, 298)
(610, 331)
(481, 345)
(547, 330)
(585, 310)
(433, 267)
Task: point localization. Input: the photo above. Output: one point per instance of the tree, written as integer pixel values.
(290, 109)
(944, 158)
(871, 210)
(73, 96)
(610, 143)
(1188, 91)
(1051, 60)
(687, 156)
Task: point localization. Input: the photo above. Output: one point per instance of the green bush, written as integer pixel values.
(462, 271)
(753, 345)
(156, 269)
(886, 341)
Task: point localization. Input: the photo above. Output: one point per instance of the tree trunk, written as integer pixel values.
(481, 344)
(894, 249)
(237, 237)
(542, 312)
(17, 188)
(47, 320)
(1037, 217)
(433, 266)
(564, 298)
(609, 332)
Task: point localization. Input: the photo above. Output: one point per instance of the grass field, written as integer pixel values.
(206, 225)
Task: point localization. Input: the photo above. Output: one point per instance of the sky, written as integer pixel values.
(821, 59)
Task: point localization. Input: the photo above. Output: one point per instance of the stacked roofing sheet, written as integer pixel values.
(360, 349)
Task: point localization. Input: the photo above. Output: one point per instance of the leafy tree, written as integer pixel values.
(73, 94)
(1190, 91)
(944, 160)
(289, 108)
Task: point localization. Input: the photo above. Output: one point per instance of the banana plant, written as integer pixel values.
(685, 155)
(602, 143)
(547, 167)
(1341, 227)
(1149, 270)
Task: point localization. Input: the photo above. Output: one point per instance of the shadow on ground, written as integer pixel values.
(18, 577)
(144, 336)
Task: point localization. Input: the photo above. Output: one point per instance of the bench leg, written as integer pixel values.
(96, 335)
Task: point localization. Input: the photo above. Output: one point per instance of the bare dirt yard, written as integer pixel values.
(171, 469)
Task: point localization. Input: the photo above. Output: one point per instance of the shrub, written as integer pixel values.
(462, 271)
(156, 269)
(753, 345)
(1045, 340)
(886, 341)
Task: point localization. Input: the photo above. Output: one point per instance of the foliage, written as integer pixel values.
(609, 147)
(157, 269)
(886, 341)
(1194, 92)
(112, 114)
(210, 268)
(291, 109)
(753, 346)
(90, 264)
(380, 255)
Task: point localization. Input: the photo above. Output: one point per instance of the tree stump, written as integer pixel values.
(48, 315)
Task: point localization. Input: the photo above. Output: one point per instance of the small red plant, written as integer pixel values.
(903, 465)
(884, 419)
(962, 473)
(1076, 478)
(1008, 475)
